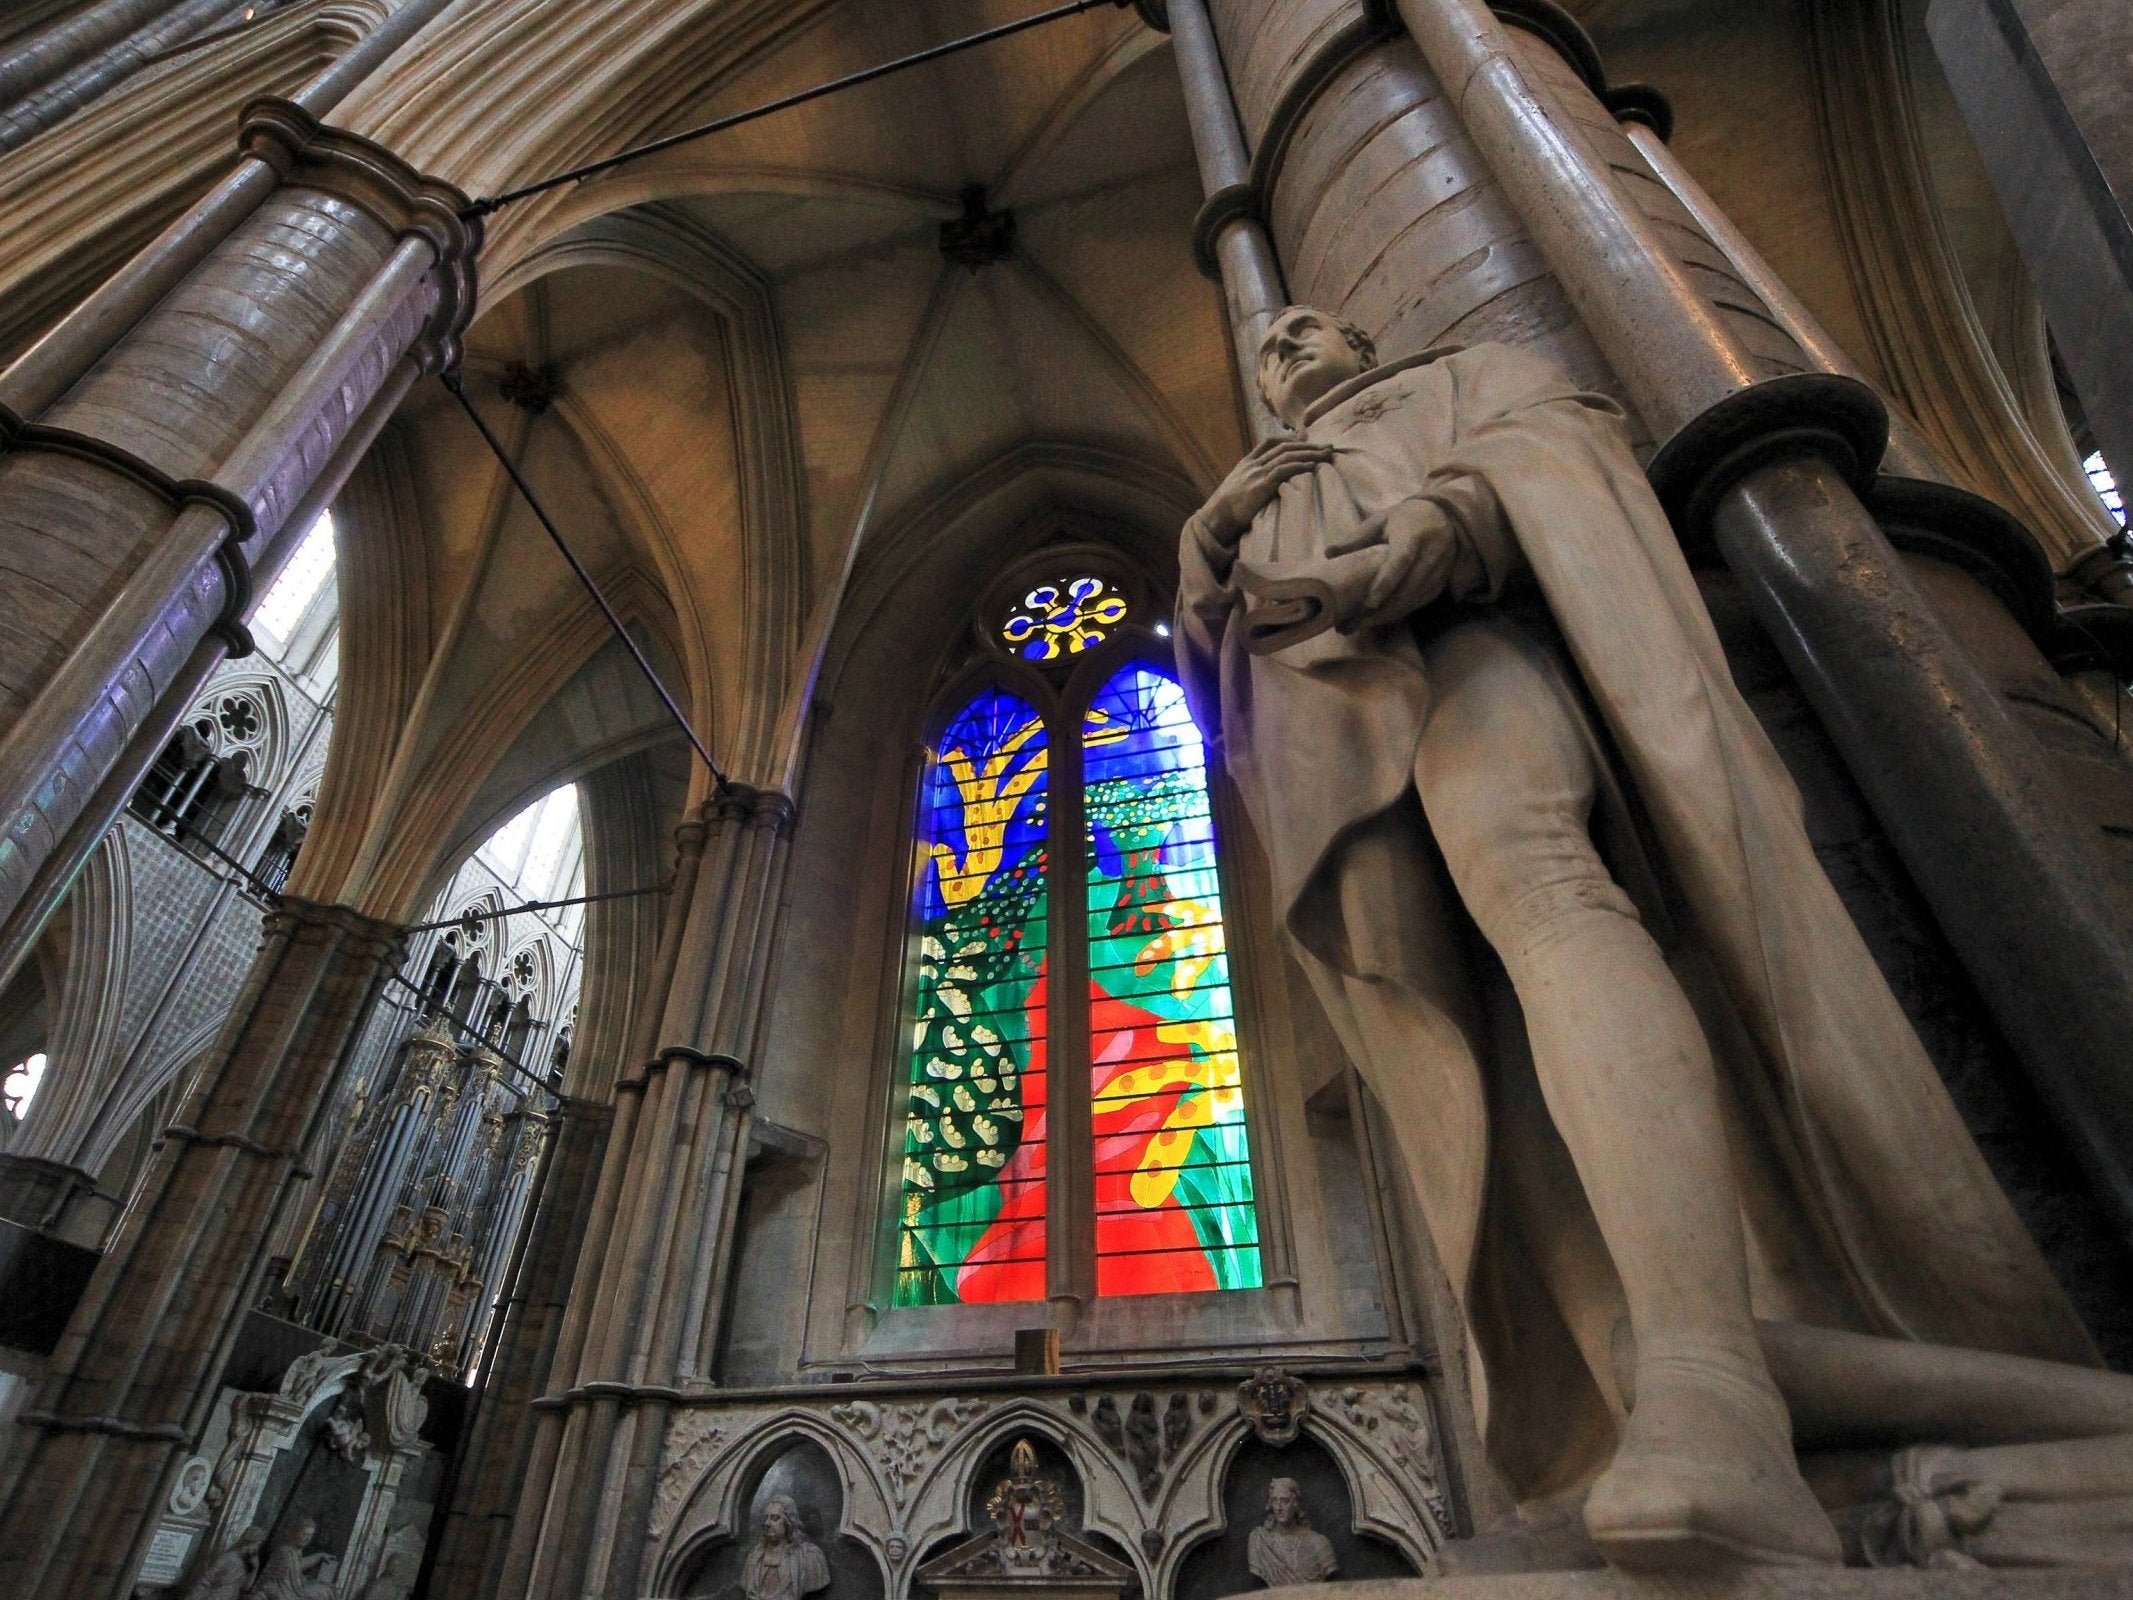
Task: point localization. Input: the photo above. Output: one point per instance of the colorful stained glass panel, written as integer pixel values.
(972, 1223)
(1059, 620)
(1173, 1167)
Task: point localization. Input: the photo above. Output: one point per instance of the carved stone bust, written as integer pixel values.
(783, 1563)
(1285, 1548)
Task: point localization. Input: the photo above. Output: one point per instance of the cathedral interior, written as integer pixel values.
(831, 539)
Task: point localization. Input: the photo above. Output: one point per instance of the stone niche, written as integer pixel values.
(803, 1473)
(1221, 1564)
(1167, 1478)
(1033, 1546)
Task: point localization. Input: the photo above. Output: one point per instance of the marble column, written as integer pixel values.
(1516, 208)
(643, 1329)
(1229, 238)
(51, 53)
(160, 444)
(57, 97)
(130, 1388)
(2017, 874)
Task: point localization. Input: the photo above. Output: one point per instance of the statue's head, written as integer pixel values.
(1022, 1461)
(781, 1520)
(1284, 1503)
(1305, 353)
(249, 1541)
(301, 1531)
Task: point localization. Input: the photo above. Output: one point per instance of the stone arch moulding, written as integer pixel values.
(1091, 485)
(1004, 511)
(84, 1006)
(910, 1459)
(680, 252)
(431, 822)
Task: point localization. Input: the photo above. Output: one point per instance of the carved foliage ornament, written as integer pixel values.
(905, 1439)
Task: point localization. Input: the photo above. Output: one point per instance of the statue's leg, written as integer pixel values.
(1705, 1468)
(1860, 1390)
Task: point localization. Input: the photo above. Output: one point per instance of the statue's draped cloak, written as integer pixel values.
(1321, 739)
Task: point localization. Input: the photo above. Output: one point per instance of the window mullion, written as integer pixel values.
(1070, 1153)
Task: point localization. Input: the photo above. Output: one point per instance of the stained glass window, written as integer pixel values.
(973, 1176)
(2105, 485)
(1172, 1174)
(1058, 620)
(1173, 1162)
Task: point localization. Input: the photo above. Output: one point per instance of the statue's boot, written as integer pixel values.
(1705, 1476)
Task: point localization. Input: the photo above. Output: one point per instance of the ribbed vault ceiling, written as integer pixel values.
(899, 373)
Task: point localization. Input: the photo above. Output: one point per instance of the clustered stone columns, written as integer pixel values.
(176, 434)
(642, 1330)
(490, 1475)
(1435, 175)
(132, 1383)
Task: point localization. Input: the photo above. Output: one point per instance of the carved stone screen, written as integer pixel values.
(1173, 1161)
(973, 1176)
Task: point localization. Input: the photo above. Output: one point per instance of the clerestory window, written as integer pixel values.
(1075, 1117)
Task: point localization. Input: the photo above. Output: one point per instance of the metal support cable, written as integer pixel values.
(546, 905)
(614, 620)
(552, 1082)
(490, 204)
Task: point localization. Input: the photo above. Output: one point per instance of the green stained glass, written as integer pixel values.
(1173, 1168)
(972, 1223)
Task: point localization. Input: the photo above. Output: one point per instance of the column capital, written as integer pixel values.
(744, 802)
(372, 936)
(315, 155)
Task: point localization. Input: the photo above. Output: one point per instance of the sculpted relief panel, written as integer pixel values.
(1141, 1470)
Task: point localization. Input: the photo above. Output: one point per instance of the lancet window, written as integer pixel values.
(18, 1085)
(1075, 1110)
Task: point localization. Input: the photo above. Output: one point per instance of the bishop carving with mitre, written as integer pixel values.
(1454, 659)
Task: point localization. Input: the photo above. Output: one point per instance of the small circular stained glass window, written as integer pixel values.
(1056, 620)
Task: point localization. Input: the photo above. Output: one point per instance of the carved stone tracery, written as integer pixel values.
(1151, 1459)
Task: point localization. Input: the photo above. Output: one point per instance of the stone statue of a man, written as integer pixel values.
(293, 1571)
(229, 1572)
(1454, 658)
(783, 1563)
(1285, 1548)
